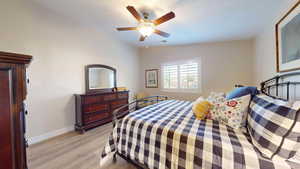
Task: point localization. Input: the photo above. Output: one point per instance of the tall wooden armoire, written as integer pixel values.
(12, 110)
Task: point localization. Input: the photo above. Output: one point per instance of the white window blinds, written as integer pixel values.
(181, 76)
(189, 76)
(170, 76)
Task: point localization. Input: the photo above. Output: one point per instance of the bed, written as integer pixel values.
(166, 135)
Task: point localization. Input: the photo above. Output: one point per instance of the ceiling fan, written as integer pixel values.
(145, 26)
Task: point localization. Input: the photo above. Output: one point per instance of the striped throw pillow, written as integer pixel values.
(291, 143)
(271, 123)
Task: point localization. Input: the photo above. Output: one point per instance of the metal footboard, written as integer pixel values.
(135, 105)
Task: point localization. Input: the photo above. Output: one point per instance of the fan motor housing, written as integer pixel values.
(146, 15)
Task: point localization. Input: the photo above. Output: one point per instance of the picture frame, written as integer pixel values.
(288, 40)
(151, 78)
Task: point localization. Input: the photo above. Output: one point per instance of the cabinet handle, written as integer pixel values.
(26, 143)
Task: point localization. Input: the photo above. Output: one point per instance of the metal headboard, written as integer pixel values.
(279, 82)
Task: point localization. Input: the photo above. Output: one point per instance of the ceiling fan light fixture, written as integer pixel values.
(146, 28)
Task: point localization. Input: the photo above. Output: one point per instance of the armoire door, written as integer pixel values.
(7, 156)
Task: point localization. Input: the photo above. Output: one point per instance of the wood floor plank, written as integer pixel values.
(73, 151)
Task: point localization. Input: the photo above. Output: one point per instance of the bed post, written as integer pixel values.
(262, 87)
(277, 81)
(115, 158)
(288, 91)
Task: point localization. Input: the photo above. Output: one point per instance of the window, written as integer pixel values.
(170, 74)
(181, 77)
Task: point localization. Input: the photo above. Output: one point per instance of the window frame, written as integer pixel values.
(179, 89)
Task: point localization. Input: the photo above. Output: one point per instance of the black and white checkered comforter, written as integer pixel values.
(167, 136)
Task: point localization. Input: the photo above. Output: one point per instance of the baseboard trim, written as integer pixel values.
(51, 134)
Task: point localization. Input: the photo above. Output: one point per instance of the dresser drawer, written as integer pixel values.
(122, 95)
(109, 97)
(118, 103)
(95, 117)
(91, 99)
(95, 108)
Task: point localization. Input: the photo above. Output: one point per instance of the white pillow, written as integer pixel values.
(212, 97)
(215, 97)
(296, 105)
(200, 99)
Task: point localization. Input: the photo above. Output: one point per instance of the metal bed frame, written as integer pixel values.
(266, 87)
(278, 82)
(135, 105)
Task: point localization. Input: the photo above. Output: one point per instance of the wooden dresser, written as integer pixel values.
(93, 110)
(12, 110)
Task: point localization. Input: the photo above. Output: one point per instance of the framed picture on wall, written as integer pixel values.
(288, 41)
(151, 78)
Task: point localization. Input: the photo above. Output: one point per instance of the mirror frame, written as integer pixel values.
(87, 77)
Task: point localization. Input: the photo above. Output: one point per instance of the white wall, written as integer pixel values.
(224, 64)
(265, 46)
(60, 49)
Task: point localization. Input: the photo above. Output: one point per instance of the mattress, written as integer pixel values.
(167, 135)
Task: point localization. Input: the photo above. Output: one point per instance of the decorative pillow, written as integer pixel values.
(295, 159)
(242, 91)
(231, 112)
(291, 141)
(201, 109)
(271, 125)
(290, 148)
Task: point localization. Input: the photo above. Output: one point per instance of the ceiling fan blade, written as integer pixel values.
(142, 38)
(127, 28)
(161, 33)
(134, 12)
(164, 18)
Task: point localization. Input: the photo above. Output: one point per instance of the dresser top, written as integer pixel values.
(101, 93)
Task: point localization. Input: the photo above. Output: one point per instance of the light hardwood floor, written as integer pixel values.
(73, 151)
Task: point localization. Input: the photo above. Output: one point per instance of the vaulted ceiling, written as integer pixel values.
(196, 20)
